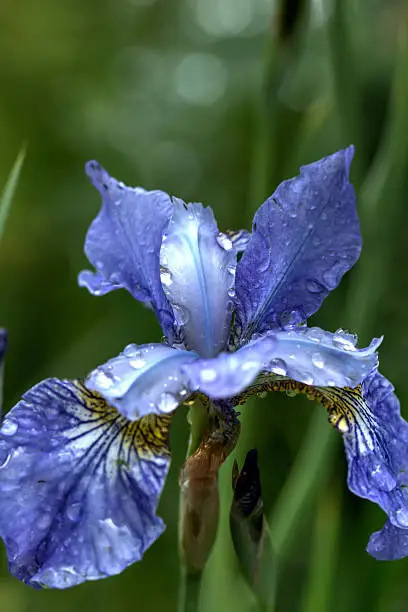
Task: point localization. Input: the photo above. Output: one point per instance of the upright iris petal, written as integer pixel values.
(79, 485)
(304, 238)
(198, 269)
(123, 242)
(144, 379)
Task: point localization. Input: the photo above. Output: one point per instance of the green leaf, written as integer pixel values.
(10, 188)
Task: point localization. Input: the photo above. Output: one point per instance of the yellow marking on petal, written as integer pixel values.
(148, 435)
(344, 405)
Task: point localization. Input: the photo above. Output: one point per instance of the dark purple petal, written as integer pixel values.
(198, 273)
(123, 242)
(304, 238)
(145, 379)
(389, 544)
(79, 485)
(377, 451)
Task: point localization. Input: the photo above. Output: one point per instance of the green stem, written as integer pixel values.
(198, 420)
(190, 586)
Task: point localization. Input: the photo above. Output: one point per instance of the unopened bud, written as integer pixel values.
(199, 494)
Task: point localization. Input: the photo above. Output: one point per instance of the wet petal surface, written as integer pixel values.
(79, 485)
(304, 238)
(144, 379)
(230, 373)
(123, 243)
(198, 273)
(317, 357)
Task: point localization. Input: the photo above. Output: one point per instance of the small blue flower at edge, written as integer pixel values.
(82, 466)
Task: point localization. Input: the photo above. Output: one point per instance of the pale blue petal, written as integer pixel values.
(320, 358)
(197, 273)
(230, 373)
(79, 485)
(144, 379)
(307, 355)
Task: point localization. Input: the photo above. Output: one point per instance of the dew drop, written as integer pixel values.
(165, 277)
(224, 242)
(137, 364)
(344, 340)
(5, 459)
(231, 292)
(44, 521)
(278, 366)
(307, 378)
(9, 428)
(317, 360)
(181, 313)
(313, 286)
(167, 402)
(102, 380)
(73, 511)
(130, 351)
(208, 374)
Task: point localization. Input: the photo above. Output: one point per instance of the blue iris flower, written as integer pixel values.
(82, 465)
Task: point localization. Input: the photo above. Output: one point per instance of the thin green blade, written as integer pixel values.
(10, 188)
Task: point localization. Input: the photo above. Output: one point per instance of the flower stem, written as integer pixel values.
(190, 585)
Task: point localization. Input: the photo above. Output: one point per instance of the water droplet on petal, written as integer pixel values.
(73, 511)
(165, 277)
(129, 350)
(306, 378)
(137, 364)
(314, 287)
(208, 374)
(44, 521)
(344, 340)
(181, 313)
(278, 366)
(168, 402)
(5, 458)
(102, 380)
(317, 360)
(9, 428)
(224, 242)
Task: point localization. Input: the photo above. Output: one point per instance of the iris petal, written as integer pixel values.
(304, 238)
(308, 355)
(79, 485)
(376, 443)
(123, 243)
(144, 379)
(389, 544)
(197, 272)
(317, 357)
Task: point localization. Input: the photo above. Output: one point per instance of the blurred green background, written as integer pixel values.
(214, 101)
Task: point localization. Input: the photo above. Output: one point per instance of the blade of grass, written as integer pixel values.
(10, 188)
(322, 565)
